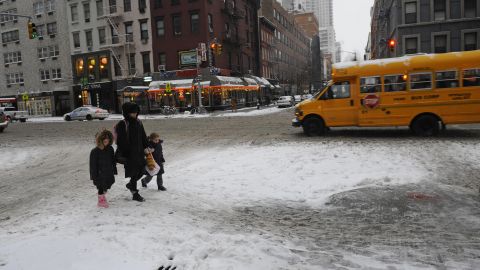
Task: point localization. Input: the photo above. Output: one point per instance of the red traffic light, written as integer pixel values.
(392, 43)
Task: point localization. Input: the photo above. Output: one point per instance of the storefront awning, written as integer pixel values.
(174, 84)
(5, 100)
(226, 81)
(133, 89)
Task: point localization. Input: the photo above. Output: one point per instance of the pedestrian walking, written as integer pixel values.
(102, 165)
(155, 143)
(132, 146)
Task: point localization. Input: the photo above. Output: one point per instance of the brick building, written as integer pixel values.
(180, 25)
(424, 26)
(286, 56)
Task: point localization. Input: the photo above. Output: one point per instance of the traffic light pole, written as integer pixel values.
(200, 105)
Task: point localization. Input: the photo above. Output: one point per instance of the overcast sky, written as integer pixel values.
(352, 24)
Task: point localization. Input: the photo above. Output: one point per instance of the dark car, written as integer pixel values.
(3, 121)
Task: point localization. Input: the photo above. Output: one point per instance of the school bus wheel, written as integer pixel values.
(426, 125)
(313, 126)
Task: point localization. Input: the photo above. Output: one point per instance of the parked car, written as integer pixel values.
(297, 99)
(3, 121)
(12, 114)
(307, 96)
(86, 113)
(285, 101)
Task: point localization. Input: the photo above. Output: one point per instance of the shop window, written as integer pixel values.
(471, 77)
(420, 81)
(104, 66)
(370, 85)
(79, 67)
(395, 83)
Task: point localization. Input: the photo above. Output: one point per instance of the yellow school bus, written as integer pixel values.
(425, 92)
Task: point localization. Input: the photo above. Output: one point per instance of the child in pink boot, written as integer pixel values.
(103, 166)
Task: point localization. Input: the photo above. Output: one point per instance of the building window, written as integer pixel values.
(470, 8)
(54, 50)
(177, 25)
(13, 57)
(144, 30)
(86, 11)
(142, 5)
(114, 34)
(194, 22)
(76, 40)
(411, 45)
(8, 18)
(160, 27)
(43, 53)
(44, 74)
(210, 23)
(38, 8)
(440, 43)
(162, 59)
(41, 30)
(411, 12)
(10, 36)
(50, 6)
(112, 6)
(146, 62)
(15, 78)
(470, 41)
(158, 4)
(102, 36)
(439, 10)
(89, 39)
(127, 5)
(99, 8)
(131, 64)
(395, 83)
(116, 67)
(56, 74)
(471, 77)
(129, 31)
(52, 28)
(175, 2)
(74, 13)
(421, 81)
(446, 79)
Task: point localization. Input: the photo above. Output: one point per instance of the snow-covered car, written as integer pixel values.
(285, 101)
(297, 98)
(3, 121)
(86, 113)
(12, 114)
(307, 96)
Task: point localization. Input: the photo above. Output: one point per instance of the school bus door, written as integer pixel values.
(339, 106)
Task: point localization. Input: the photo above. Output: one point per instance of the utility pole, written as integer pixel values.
(199, 60)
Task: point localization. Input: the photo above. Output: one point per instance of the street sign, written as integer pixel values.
(25, 97)
(371, 101)
(203, 51)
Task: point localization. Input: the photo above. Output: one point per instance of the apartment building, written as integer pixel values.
(111, 47)
(36, 72)
(424, 26)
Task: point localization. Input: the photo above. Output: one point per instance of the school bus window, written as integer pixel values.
(446, 79)
(395, 83)
(370, 85)
(338, 90)
(471, 77)
(420, 81)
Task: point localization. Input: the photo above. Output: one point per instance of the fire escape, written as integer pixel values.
(119, 44)
(230, 37)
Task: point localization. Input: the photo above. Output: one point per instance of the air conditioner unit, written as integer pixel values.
(161, 67)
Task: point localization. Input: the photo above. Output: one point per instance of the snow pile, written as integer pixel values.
(192, 225)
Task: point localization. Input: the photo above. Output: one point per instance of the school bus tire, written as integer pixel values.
(313, 125)
(426, 125)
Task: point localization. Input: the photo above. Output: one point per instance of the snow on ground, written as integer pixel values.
(241, 112)
(194, 225)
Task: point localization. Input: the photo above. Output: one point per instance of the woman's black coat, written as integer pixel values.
(103, 167)
(132, 145)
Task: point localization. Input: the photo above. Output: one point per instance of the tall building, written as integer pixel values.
(36, 73)
(402, 27)
(111, 46)
(295, 5)
(288, 52)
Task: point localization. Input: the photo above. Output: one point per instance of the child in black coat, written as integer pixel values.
(155, 143)
(103, 166)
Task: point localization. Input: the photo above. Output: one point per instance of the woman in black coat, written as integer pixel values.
(132, 144)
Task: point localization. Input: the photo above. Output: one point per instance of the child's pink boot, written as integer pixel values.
(102, 201)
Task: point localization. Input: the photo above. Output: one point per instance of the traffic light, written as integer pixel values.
(392, 43)
(213, 47)
(219, 49)
(32, 30)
